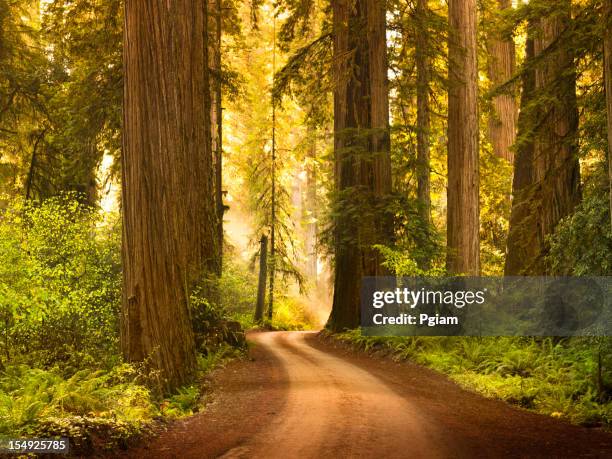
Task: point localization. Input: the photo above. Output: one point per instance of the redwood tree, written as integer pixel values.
(551, 172)
(463, 209)
(168, 201)
(216, 119)
(361, 148)
(501, 67)
(423, 68)
(521, 215)
(608, 85)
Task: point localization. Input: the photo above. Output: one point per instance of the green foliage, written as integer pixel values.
(237, 287)
(495, 189)
(60, 94)
(558, 378)
(60, 281)
(237, 290)
(582, 243)
(208, 362)
(85, 91)
(292, 314)
(105, 408)
(402, 264)
(35, 400)
(184, 402)
(219, 305)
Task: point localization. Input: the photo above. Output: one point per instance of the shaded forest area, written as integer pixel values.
(156, 157)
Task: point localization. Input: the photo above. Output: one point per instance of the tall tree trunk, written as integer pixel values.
(216, 121)
(521, 215)
(463, 170)
(361, 146)
(311, 208)
(261, 284)
(608, 85)
(501, 66)
(553, 125)
(167, 200)
(273, 189)
(423, 112)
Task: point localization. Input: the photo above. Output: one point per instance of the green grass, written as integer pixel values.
(556, 378)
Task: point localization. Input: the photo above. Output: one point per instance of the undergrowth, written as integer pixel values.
(93, 407)
(290, 313)
(60, 296)
(560, 378)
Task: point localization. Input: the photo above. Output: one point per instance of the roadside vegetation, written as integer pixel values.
(563, 378)
(569, 378)
(61, 371)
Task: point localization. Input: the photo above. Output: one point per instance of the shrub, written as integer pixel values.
(60, 281)
(582, 243)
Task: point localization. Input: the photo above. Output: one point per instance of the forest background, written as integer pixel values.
(495, 164)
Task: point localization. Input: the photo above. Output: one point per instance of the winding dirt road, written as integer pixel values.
(301, 397)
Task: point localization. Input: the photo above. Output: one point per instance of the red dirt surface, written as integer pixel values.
(299, 396)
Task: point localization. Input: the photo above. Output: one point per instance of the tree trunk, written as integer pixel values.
(273, 191)
(311, 209)
(361, 146)
(554, 168)
(423, 113)
(216, 121)
(167, 200)
(263, 274)
(521, 215)
(501, 67)
(463, 171)
(608, 86)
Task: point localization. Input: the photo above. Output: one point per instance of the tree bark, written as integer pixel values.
(311, 208)
(216, 121)
(501, 67)
(521, 214)
(423, 112)
(554, 168)
(463, 244)
(167, 200)
(608, 86)
(263, 274)
(361, 146)
(273, 192)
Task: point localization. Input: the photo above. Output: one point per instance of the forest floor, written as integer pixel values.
(299, 395)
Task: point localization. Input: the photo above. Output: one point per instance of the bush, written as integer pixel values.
(237, 288)
(582, 243)
(60, 281)
(292, 314)
(60, 297)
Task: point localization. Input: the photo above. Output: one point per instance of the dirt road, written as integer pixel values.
(300, 397)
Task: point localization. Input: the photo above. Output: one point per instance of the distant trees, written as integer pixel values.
(361, 149)
(463, 242)
(423, 69)
(310, 211)
(169, 213)
(61, 88)
(60, 95)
